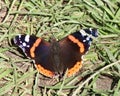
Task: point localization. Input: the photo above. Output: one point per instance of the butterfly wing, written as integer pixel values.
(38, 50)
(73, 47)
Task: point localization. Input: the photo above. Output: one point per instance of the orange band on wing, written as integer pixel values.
(32, 50)
(74, 40)
(44, 71)
(74, 69)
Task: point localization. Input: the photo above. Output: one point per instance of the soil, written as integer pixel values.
(103, 83)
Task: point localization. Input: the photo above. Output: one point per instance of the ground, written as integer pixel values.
(99, 75)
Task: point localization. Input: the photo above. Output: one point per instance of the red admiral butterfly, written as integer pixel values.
(53, 58)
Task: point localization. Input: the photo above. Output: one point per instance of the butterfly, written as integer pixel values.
(55, 57)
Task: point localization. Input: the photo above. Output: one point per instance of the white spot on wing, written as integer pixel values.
(28, 46)
(21, 46)
(19, 35)
(20, 41)
(90, 29)
(27, 37)
(84, 40)
(88, 38)
(24, 44)
(86, 34)
(83, 32)
(15, 41)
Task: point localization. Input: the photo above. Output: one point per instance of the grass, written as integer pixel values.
(101, 68)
